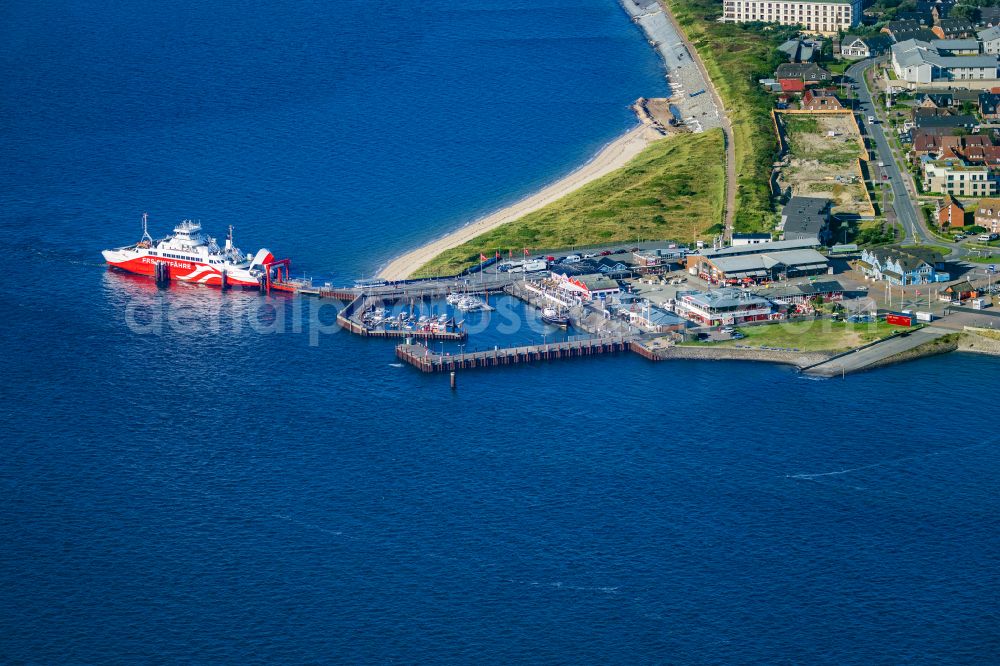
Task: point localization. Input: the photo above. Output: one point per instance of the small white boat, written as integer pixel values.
(472, 304)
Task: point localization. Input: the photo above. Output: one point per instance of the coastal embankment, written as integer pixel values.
(614, 156)
(980, 341)
(659, 349)
(689, 88)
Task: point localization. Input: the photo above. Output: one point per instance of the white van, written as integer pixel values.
(984, 238)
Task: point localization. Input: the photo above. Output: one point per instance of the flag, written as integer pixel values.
(526, 252)
(498, 255)
(482, 257)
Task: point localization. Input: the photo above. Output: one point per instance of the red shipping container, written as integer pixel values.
(899, 320)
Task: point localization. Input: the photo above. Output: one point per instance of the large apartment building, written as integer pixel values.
(825, 16)
(953, 177)
(941, 60)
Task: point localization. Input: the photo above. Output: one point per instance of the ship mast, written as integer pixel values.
(145, 231)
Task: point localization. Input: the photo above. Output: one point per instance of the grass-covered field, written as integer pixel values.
(940, 249)
(812, 335)
(672, 190)
(736, 56)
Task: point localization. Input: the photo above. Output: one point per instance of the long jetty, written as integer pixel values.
(421, 357)
(423, 288)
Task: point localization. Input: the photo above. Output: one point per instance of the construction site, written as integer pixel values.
(823, 155)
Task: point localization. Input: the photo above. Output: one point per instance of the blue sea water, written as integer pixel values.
(196, 476)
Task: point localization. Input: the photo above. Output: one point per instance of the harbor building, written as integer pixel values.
(764, 262)
(655, 320)
(587, 287)
(724, 307)
(799, 297)
(806, 218)
(822, 16)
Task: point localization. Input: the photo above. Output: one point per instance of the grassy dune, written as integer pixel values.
(674, 189)
(736, 56)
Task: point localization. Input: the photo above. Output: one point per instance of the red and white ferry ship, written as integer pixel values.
(188, 256)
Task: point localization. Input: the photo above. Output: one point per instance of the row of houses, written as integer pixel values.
(936, 106)
(950, 213)
(930, 14)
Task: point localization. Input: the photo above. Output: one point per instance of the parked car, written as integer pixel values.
(589, 255)
(620, 250)
(605, 253)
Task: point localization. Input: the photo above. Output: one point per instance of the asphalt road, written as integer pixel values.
(906, 212)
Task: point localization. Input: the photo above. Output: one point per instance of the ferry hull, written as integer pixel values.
(183, 271)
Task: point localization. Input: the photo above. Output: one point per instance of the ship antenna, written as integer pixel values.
(145, 230)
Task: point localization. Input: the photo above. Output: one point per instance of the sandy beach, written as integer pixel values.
(612, 157)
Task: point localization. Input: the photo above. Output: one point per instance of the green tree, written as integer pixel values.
(967, 12)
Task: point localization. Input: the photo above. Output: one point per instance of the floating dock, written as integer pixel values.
(421, 357)
(346, 319)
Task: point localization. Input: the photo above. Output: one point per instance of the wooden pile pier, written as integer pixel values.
(421, 357)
